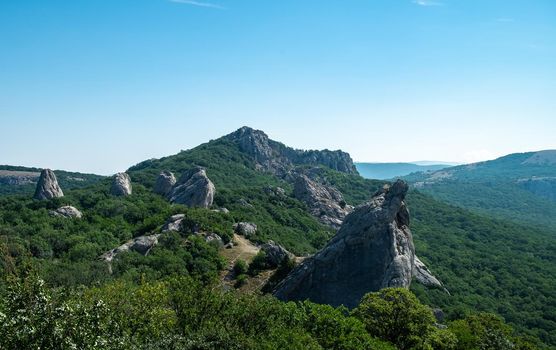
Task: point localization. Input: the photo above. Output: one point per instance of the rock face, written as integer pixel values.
(275, 253)
(372, 250)
(246, 229)
(194, 189)
(67, 212)
(324, 202)
(48, 187)
(164, 183)
(277, 158)
(121, 185)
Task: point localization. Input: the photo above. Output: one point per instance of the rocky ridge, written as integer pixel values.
(277, 158)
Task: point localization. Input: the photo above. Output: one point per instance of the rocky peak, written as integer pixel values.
(164, 183)
(372, 250)
(277, 158)
(121, 185)
(47, 186)
(193, 189)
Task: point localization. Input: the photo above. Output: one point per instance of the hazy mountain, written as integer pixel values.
(382, 171)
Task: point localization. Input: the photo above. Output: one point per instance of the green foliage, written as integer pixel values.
(240, 267)
(258, 264)
(396, 315)
(484, 331)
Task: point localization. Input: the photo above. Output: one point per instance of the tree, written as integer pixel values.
(395, 314)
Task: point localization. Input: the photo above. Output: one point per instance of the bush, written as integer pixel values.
(240, 267)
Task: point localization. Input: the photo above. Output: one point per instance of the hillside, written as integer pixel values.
(518, 187)
(514, 264)
(22, 180)
(384, 171)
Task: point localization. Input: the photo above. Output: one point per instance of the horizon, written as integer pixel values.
(98, 86)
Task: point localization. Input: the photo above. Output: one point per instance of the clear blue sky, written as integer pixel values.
(99, 85)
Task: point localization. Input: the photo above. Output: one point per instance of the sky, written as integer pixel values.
(100, 85)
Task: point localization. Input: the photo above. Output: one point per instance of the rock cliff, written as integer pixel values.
(47, 186)
(372, 250)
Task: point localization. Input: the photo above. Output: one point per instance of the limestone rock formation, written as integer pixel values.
(324, 202)
(246, 229)
(67, 212)
(174, 223)
(277, 158)
(193, 189)
(372, 250)
(47, 186)
(121, 185)
(275, 253)
(164, 183)
(141, 244)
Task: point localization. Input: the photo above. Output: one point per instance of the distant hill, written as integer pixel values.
(382, 171)
(519, 187)
(22, 180)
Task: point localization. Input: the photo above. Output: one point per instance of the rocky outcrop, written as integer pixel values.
(67, 212)
(324, 202)
(174, 223)
(372, 250)
(47, 187)
(193, 189)
(121, 185)
(275, 253)
(246, 229)
(141, 244)
(277, 158)
(18, 178)
(423, 275)
(164, 183)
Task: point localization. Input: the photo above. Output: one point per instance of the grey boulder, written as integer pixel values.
(67, 212)
(246, 229)
(275, 253)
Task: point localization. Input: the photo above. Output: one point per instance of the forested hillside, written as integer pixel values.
(518, 187)
(486, 264)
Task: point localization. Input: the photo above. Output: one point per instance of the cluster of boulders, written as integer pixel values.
(67, 211)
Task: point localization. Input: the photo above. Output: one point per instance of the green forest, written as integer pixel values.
(57, 294)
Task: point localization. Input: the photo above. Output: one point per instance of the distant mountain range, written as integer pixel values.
(383, 171)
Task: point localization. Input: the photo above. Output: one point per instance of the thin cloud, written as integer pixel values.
(427, 3)
(199, 4)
